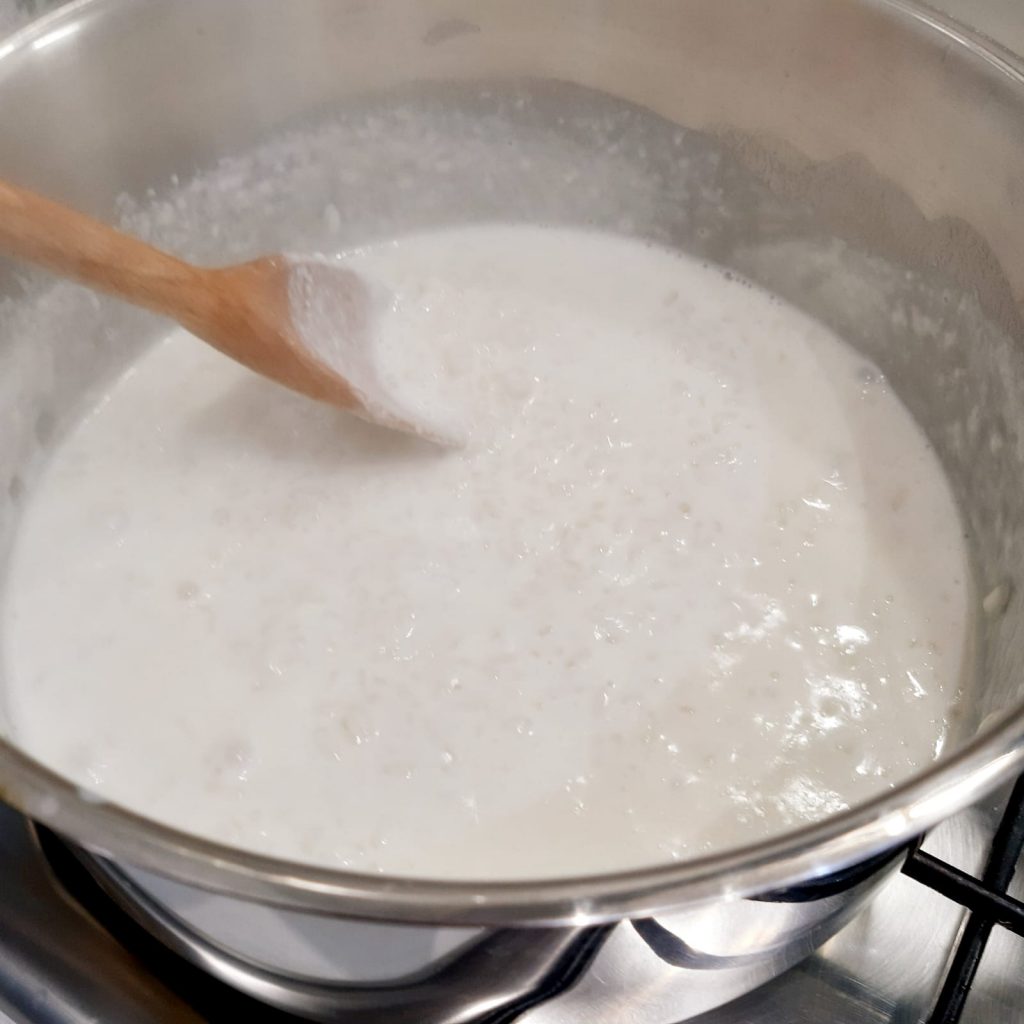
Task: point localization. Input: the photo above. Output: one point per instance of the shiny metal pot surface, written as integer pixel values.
(859, 157)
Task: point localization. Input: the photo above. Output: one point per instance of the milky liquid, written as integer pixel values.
(695, 578)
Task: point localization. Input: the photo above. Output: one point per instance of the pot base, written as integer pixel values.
(323, 968)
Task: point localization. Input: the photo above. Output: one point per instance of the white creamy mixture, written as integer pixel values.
(695, 578)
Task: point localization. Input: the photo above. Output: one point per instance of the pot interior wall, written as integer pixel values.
(836, 153)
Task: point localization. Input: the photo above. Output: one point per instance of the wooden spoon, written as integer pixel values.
(306, 323)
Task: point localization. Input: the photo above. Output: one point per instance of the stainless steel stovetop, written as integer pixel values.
(59, 965)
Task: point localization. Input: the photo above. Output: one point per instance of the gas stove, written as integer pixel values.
(68, 955)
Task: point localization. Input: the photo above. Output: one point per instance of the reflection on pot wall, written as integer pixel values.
(15, 13)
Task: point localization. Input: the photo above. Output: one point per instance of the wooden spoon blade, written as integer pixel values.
(340, 318)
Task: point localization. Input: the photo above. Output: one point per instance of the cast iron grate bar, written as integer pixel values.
(966, 890)
(986, 900)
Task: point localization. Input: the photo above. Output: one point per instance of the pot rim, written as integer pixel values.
(810, 852)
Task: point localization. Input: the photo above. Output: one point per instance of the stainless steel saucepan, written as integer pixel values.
(861, 158)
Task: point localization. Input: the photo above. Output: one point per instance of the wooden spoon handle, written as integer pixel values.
(73, 245)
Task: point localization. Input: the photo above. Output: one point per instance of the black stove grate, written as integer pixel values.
(986, 900)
